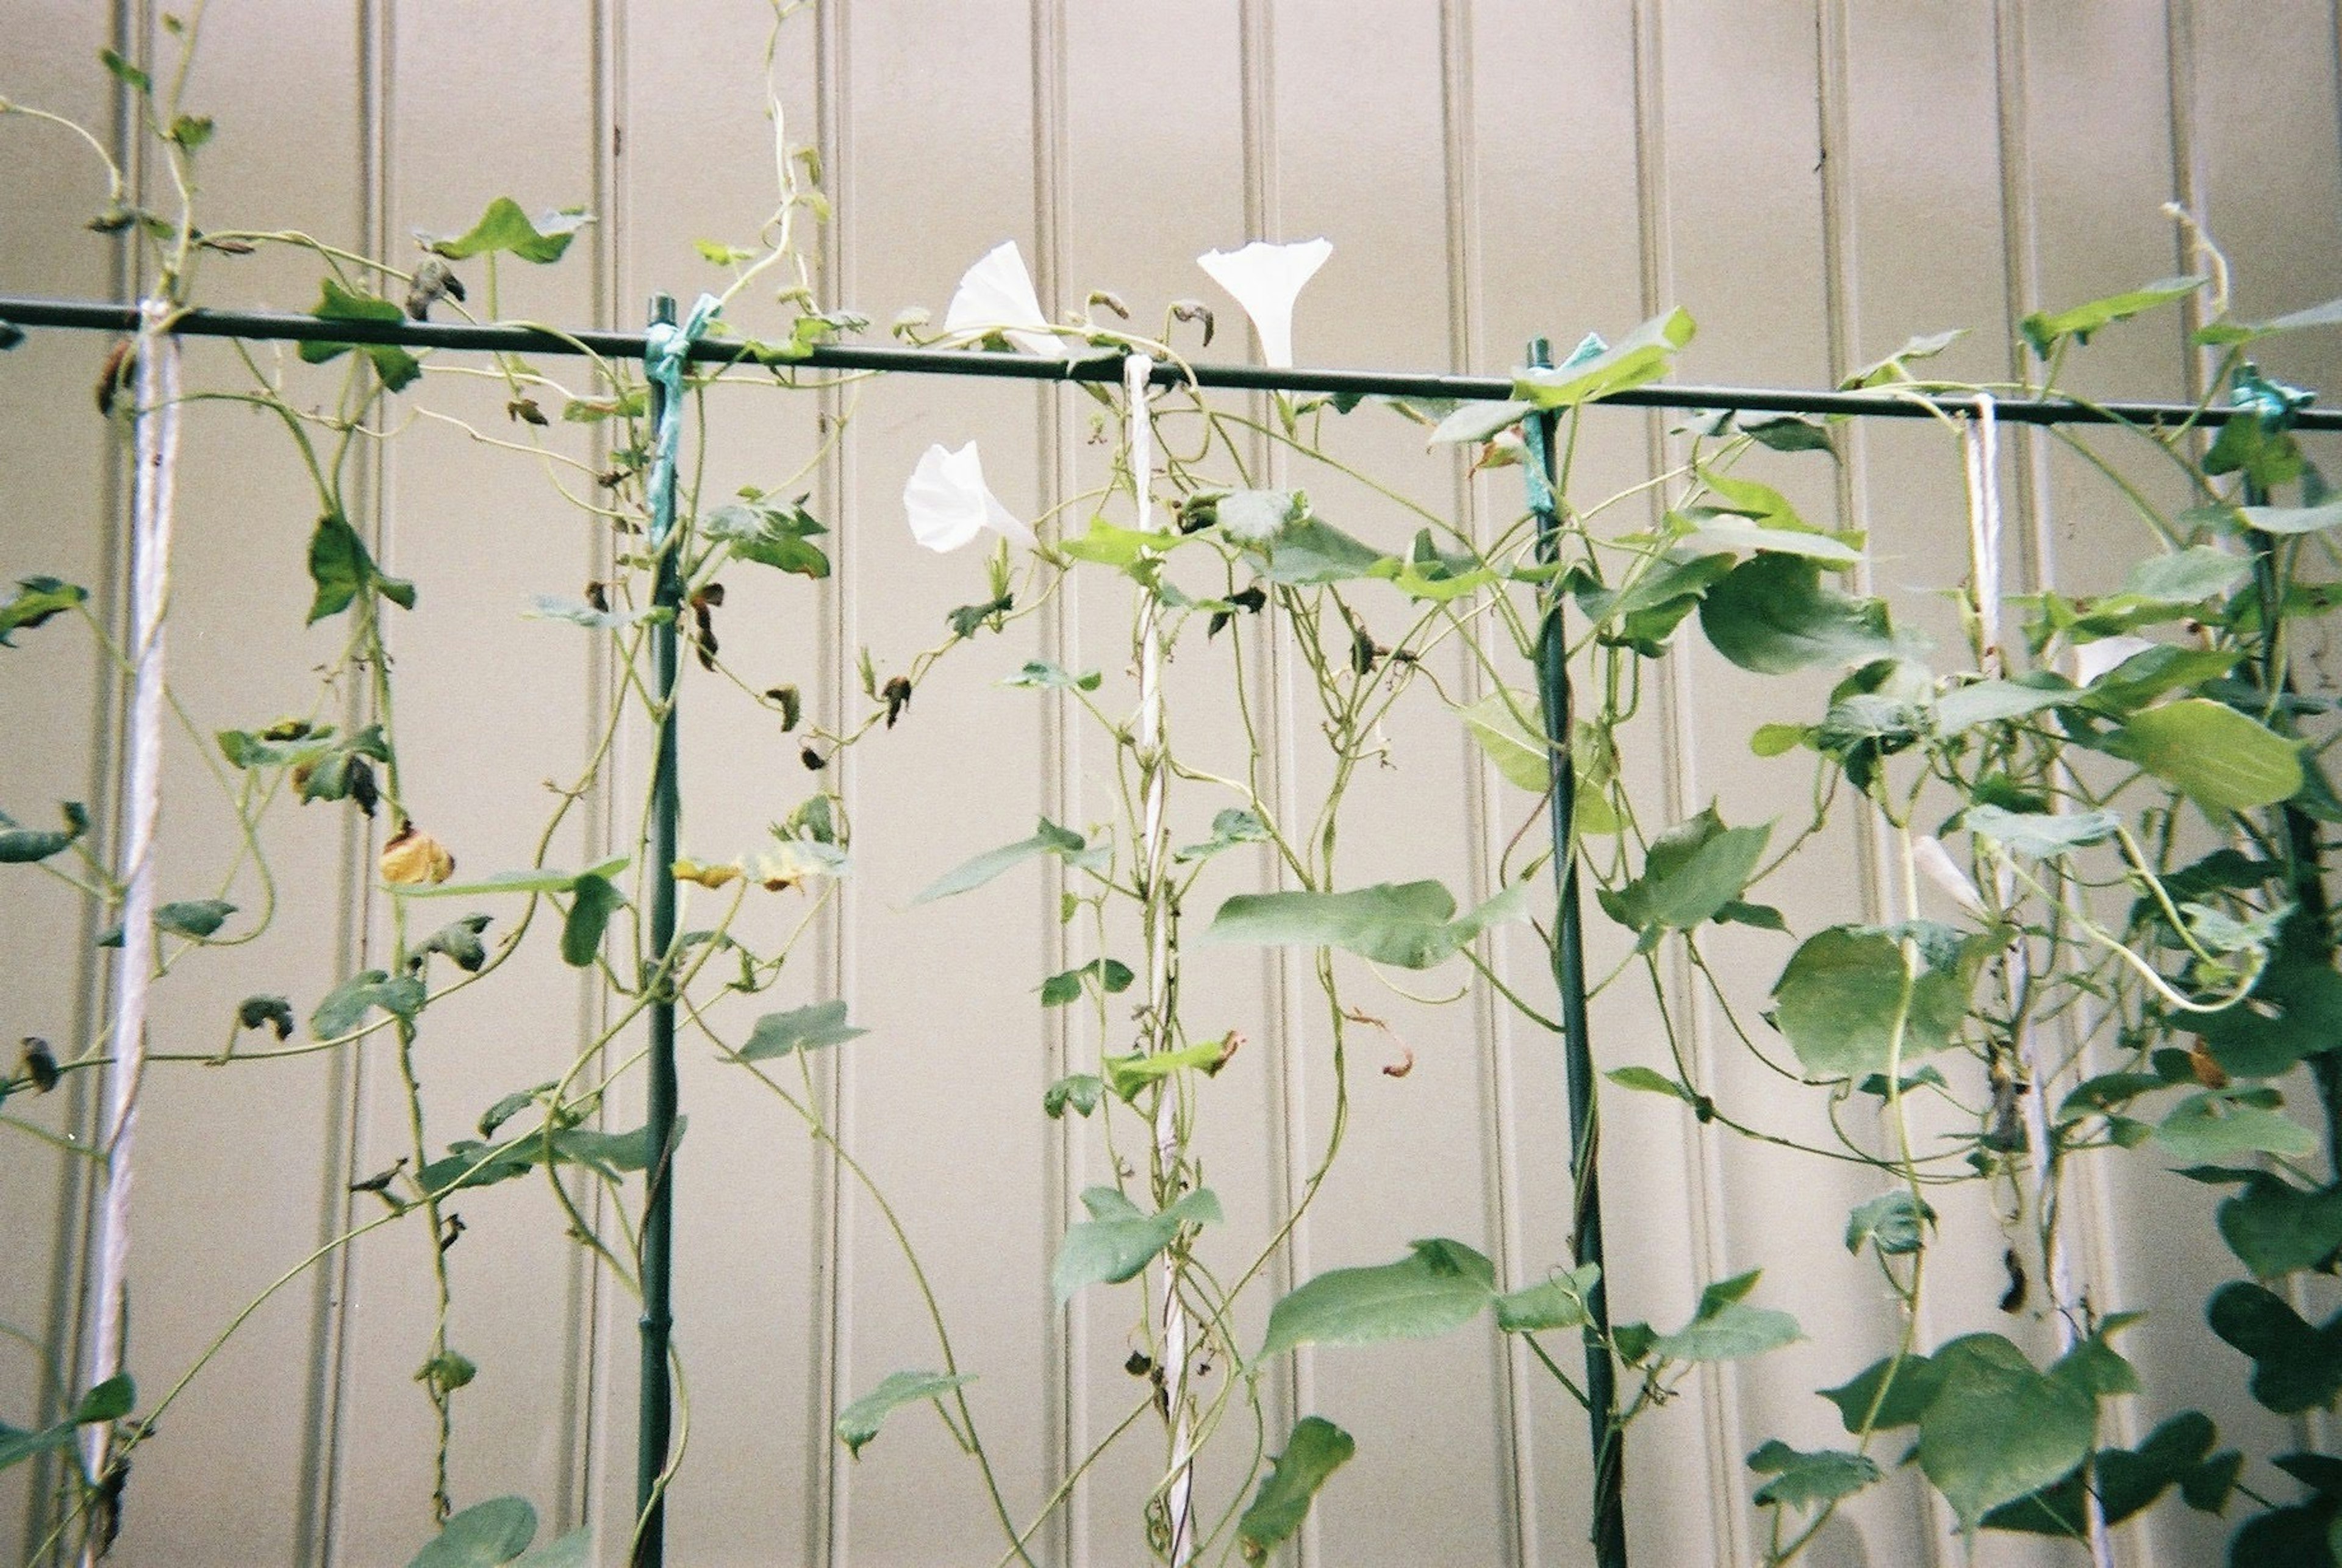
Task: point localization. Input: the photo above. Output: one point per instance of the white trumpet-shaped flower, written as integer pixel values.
(996, 294)
(1937, 866)
(1266, 279)
(949, 503)
(2092, 660)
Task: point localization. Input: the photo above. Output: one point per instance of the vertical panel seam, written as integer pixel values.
(1516, 1487)
(826, 1482)
(69, 1233)
(1065, 1428)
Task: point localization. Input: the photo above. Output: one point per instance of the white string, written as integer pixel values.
(157, 449)
(1155, 860)
(1980, 448)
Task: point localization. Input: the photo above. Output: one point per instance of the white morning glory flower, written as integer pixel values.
(1937, 866)
(996, 294)
(1266, 279)
(949, 503)
(2092, 660)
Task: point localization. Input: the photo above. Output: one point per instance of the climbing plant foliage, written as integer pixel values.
(2100, 822)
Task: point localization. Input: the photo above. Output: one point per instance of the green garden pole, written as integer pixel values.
(2279, 407)
(1556, 705)
(655, 1419)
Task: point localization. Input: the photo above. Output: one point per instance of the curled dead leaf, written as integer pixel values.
(412, 857)
(707, 876)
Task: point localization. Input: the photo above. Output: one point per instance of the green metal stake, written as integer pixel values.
(655, 1420)
(1555, 701)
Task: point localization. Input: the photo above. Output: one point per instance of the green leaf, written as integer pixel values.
(1894, 367)
(578, 613)
(770, 533)
(1310, 553)
(1997, 702)
(1438, 1286)
(1804, 1480)
(1646, 1081)
(1118, 1240)
(1063, 842)
(24, 845)
(1727, 1328)
(459, 941)
(812, 1028)
(1518, 753)
(1230, 828)
(1996, 1428)
(124, 72)
(535, 879)
(2292, 520)
(574, 1550)
(1772, 614)
(1040, 672)
(2295, 1367)
(2295, 1011)
(2186, 577)
(2040, 835)
(1564, 1301)
(2278, 1228)
(1886, 1394)
(1714, 531)
(18, 1444)
(1643, 613)
(346, 1006)
(1842, 994)
(1315, 1451)
(265, 1011)
(1111, 974)
(2208, 1128)
(109, 1401)
(1693, 870)
(2126, 1480)
(341, 568)
(1121, 548)
(594, 900)
(2046, 329)
(1082, 1091)
(485, 1535)
(1129, 1076)
(1477, 422)
(2220, 333)
(195, 919)
(504, 227)
(1895, 1222)
(1411, 926)
(858, 1423)
(1642, 356)
(36, 600)
(632, 404)
(397, 368)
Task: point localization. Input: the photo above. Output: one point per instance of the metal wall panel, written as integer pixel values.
(1814, 179)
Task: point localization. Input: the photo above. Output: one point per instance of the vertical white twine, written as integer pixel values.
(157, 448)
(1155, 862)
(1980, 443)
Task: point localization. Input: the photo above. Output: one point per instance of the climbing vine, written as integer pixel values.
(2102, 822)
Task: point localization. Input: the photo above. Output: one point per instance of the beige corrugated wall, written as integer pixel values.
(1814, 179)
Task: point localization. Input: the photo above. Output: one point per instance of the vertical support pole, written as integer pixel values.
(1557, 705)
(655, 1418)
(157, 448)
(2305, 869)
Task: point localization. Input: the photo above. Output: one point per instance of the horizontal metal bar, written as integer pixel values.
(271, 326)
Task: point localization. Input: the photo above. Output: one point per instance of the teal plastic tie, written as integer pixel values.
(2275, 403)
(666, 350)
